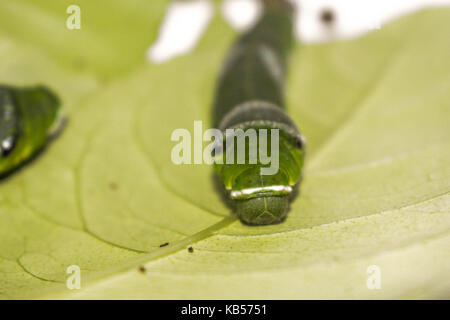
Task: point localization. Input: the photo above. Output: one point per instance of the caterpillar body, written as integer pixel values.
(249, 95)
(28, 117)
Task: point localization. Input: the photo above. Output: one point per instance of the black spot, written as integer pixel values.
(299, 143)
(190, 249)
(327, 16)
(113, 186)
(164, 244)
(142, 269)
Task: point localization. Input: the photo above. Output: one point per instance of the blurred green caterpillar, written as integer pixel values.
(250, 96)
(28, 116)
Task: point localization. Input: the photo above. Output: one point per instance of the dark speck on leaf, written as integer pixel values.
(113, 186)
(164, 244)
(190, 249)
(79, 63)
(142, 269)
(327, 16)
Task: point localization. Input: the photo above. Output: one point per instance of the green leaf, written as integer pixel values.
(105, 195)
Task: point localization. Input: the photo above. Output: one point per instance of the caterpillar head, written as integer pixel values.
(263, 210)
(27, 116)
(261, 191)
(261, 199)
(7, 145)
(9, 140)
(8, 123)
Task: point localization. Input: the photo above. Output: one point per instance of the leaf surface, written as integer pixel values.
(105, 195)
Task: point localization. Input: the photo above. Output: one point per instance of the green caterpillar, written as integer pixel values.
(28, 116)
(250, 96)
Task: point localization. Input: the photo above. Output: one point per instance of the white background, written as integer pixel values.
(185, 21)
